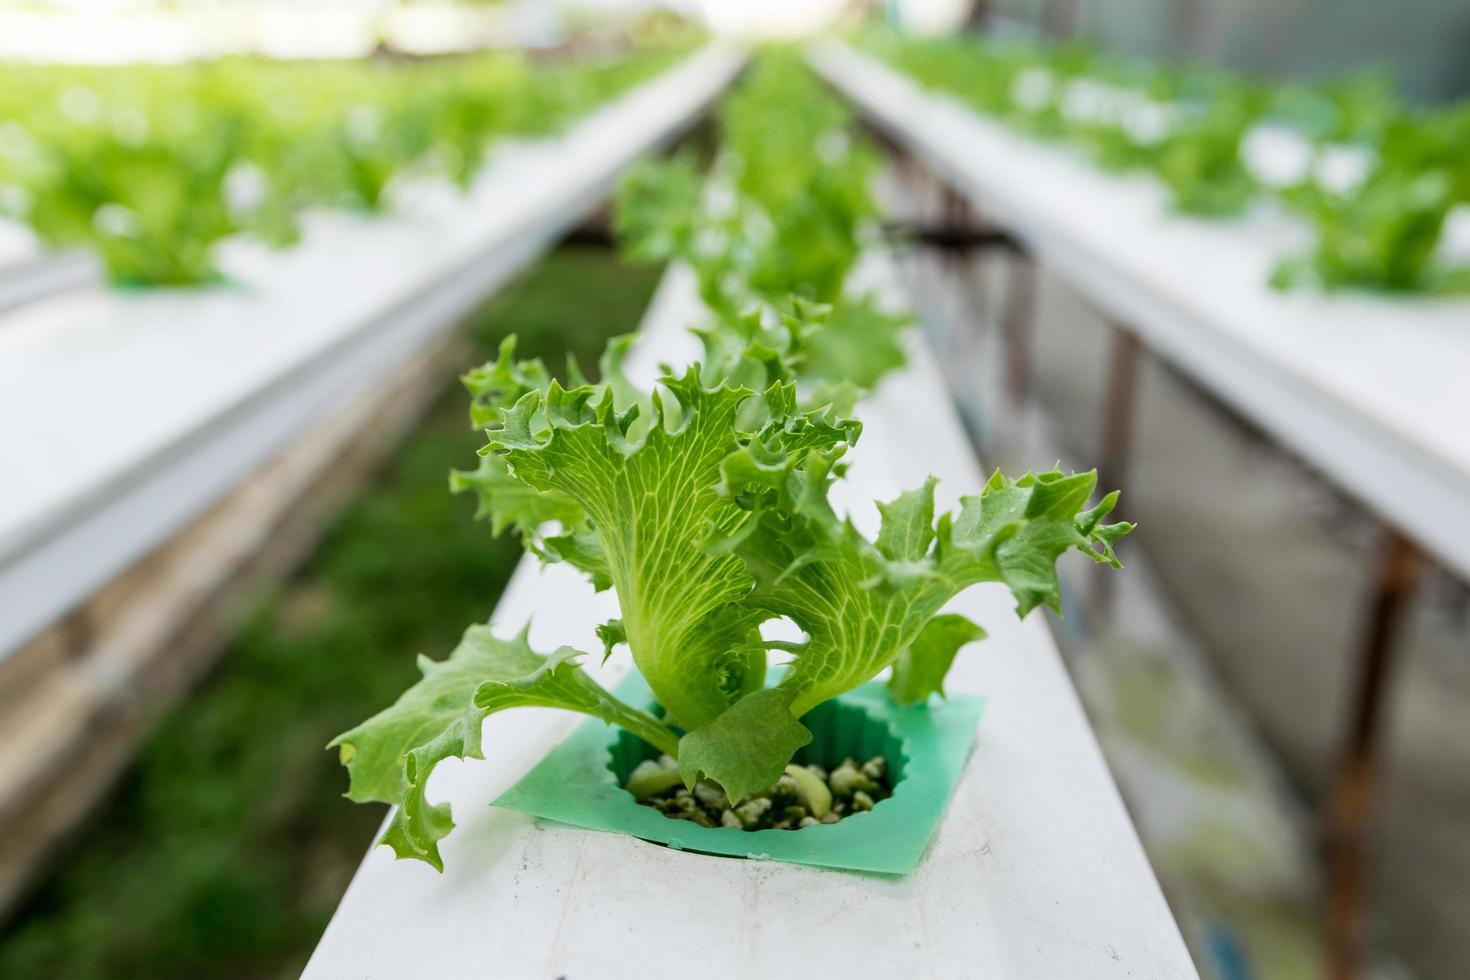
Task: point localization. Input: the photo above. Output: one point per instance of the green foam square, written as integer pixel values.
(575, 784)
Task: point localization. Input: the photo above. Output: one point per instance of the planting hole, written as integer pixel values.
(862, 762)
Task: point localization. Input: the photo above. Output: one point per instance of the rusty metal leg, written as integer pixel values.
(1117, 421)
(955, 214)
(1355, 782)
(951, 205)
(954, 210)
(78, 630)
(1116, 437)
(957, 267)
(1015, 328)
(1059, 18)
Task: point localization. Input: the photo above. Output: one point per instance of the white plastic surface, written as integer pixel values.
(125, 415)
(1372, 391)
(1036, 872)
(34, 277)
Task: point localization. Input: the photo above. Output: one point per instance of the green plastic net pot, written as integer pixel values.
(580, 783)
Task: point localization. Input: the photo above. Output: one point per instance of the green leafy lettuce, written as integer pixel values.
(705, 508)
(702, 502)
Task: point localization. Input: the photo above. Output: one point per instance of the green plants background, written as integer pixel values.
(1380, 235)
(136, 163)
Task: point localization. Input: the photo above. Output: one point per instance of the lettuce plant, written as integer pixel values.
(1384, 233)
(1384, 236)
(152, 209)
(1200, 158)
(703, 501)
(704, 506)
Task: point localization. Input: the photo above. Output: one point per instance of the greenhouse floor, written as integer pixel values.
(1219, 726)
(186, 870)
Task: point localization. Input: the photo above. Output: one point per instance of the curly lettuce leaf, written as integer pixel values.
(551, 524)
(499, 383)
(630, 480)
(920, 669)
(862, 603)
(648, 489)
(508, 504)
(390, 757)
(857, 344)
(747, 747)
(1383, 236)
(511, 504)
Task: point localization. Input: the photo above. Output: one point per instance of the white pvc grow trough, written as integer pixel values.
(29, 272)
(1035, 872)
(32, 277)
(124, 415)
(1371, 391)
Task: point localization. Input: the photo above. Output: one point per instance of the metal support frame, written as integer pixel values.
(980, 16)
(955, 213)
(78, 632)
(1349, 809)
(1116, 436)
(1059, 18)
(964, 234)
(953, 208)
(591, 234)
(960, 233)
(947, 237)
(1355, 784)
(1015, 328)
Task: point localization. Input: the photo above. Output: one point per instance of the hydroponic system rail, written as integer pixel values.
(142, 410)
(1035, 872)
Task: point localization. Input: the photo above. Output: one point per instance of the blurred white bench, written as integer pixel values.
(126, 415)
